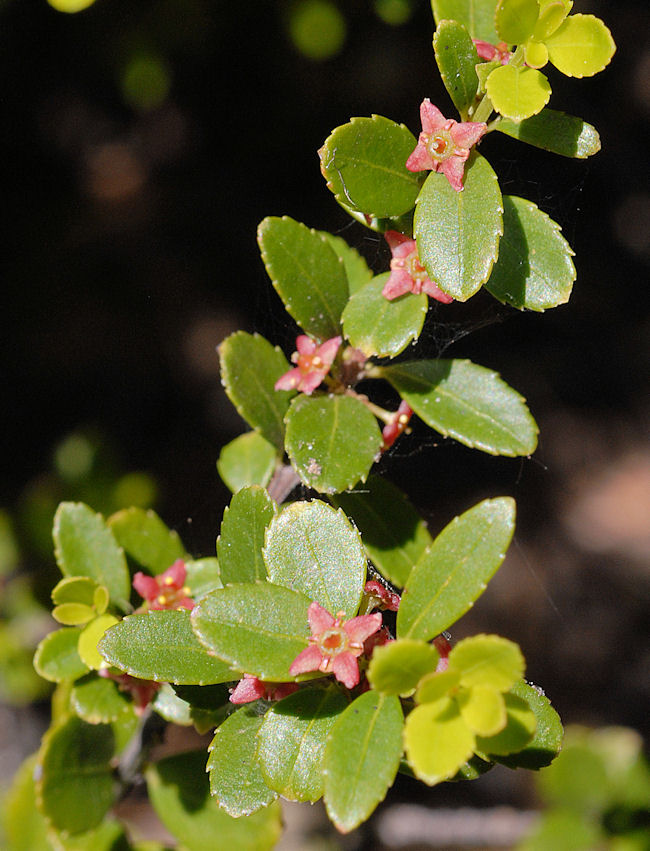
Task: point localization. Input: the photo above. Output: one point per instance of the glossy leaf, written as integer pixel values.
(247, 460)
(145, 537)
(454, 571)
(397, 667)
(257, 628)
(98, 700)
(519, 730)
(467, 402)
(476, 15)
(75, 589)
(554, 131)
(179, 791)
(332, 441)
(377, 326)
(90, 637)
(515, 20)
(483, 710)
(356, 269)
(57, 657)
(457, 233)
(487, 660)
(547, 741)
(239, 546)
(437, 741)
(518, 93)
(75, 786)
(85, 546)
(306, 273)
(361, 758)
(581, 47)
(202, 575)
(161, 646)
(73, 614)
(250, 366)
(457, 59)
(291, 742)
(364, 164)
(236, 781)
(171, 707)
(534, 270)
(312, 548)
(393, 533)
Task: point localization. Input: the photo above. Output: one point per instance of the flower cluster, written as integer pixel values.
(166, 591)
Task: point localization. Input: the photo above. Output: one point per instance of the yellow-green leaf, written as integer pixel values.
(581, 47)
(437, 740)
(518, 93)
(515, 20)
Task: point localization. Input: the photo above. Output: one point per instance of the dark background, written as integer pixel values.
(131, 252)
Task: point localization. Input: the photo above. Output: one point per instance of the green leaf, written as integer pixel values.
(257, 628)
(551, 15)
(291, 741)
(581, 47)
(534, 270)
(457, 233)
(161, 646)
(554, 131)
(75, 589)
(57, 658)
(571, 830)
(468, 402)
(179, 791)
(85, 546)
(239, 546)
(306, 273)
(356, 268)
(437, 741)
(364, 164)
(487, 660)
(454, 571)
(171, 707)
(98, 700)
(250, 366)
(73, 614)
(393, 533)
(515, 20)
(236, 781)
(435, 686)
(145, 537)
(24, 827)
(312, 548)
(90, 637)
(381, 327)
(476, 15)
(331, 440)
(457, 59)
(519, 730)
(361, 758)
(75, 786)
(483, 710)
(202, 576)
(108, 836)
(247, 460)
(518, 93)
(547, 741)
(397, 667)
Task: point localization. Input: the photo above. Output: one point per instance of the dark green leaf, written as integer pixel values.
(364, 163)
(547, 741)
(98, 700)
(554, 131)
(458, 232)
(361, 758)
(468, 402)
(332, 441)
(239, 546)
(534, 269)
(476, 15)
(393, 533)
(306, 273)
(355, 266)
(291, 742)
(144, 536)
(454, 572)
(161, 646)
(457, 59)
(250, 366)
(247, 460)
(85, 546)
(381, 327)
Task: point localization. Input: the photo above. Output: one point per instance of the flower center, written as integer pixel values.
(440, 146)
(309, 363)
(333, 641)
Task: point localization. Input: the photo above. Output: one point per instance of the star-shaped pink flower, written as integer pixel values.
(335, 644)
(488, 52)
(444, 144)
(312, 364)
(166, 591)
(407, 274)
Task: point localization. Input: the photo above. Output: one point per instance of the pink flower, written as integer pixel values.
(488, 52)
(444, 144)
(407, 274)
(312, 364)
(335, 644)
(442, 645)
(166, 591)
(251, 688)
(386, 599)
(398, 425)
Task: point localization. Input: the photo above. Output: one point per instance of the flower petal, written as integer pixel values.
(346, 669)
(289, 381)
(431, 117)
(305, 345)
(308, 383)
(453, 169)
(467, 133)
(176, 573)
(146, 586)
(420, 159)
(247, 690)
(432, 289)
(398, 283)
(327, 350)
(394, 239)
(363, 626)
(484, 49)
(319, 618)
(307, 660)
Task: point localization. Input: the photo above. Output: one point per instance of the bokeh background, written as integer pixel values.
(142, 143)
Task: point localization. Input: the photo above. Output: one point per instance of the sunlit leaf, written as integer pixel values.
(98, 700)
(547, 741)
(515, 20)
(437, 741)
(581, 47)
(518, 93)
(519, 730)
(356, 268)
(90, 637)
(483, 710)
(554, 131)
(57, 657)
(487, 660)
(247, 460)
(476, 15)
(145, 537)
(397, 667)
(239, 546)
